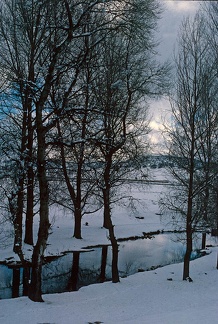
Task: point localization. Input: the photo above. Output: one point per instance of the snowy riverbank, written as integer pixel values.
(158, 296)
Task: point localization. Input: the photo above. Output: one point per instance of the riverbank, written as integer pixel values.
(129, 222)
(158, 296)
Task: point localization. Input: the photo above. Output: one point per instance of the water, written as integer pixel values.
(77, 269)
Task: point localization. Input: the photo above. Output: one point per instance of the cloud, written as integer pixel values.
(182, 6)
(169, 25)
(155, 125)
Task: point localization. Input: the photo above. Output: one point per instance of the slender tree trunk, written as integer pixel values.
(115, 252)
(108, 221)
(18, 221)
(186, 270)
(206, 202)
(106, 196)
(35, 288)
(30, 172)
(28, 239)
(35, 292)
(77, 202)
(75, 195)
(203, 241)
(18, 215)
(189, 209)
(77, 223)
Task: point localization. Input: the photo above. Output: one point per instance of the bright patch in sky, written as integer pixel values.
(182, 6)
(156, 125)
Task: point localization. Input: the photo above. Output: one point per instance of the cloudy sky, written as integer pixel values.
(174, 12)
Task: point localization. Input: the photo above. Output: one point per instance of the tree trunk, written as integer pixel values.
(203, 241)
(30, 188)
(28, 239)
(18, 210)
(114, 244)
(187, 256)
(188, 234)
(115, 272)
(35, 288)
(108, 221)
(35, 292)
(18, 217)
(189, 207)
(75, 195)
(77, 201)
(77, 223)
(106, 198)
(115, 252)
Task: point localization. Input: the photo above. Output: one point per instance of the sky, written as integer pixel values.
(170, 22)
(168, 28)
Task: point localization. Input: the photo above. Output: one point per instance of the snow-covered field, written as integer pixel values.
(158, 296)
(128, 222)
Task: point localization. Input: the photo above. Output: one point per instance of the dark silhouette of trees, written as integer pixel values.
(77, 74)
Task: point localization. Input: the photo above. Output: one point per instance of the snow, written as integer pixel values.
(148, 297)
(158, 296)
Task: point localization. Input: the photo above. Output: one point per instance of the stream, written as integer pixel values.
(76, 269)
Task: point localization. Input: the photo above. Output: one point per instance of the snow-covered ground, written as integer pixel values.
(128, 222)
(158, 296)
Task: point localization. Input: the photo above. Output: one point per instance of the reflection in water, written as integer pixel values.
(72, 284)
(150, 253)
(102, 277)
(16, 282)
(73, 270)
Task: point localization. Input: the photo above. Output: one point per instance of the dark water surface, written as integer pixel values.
(77, 269)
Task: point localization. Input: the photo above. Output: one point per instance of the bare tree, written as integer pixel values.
(71, 138)
(45, 48)
(53, 28)
(210, 13)
(127, 77)
(191, 135)
(17, 72)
